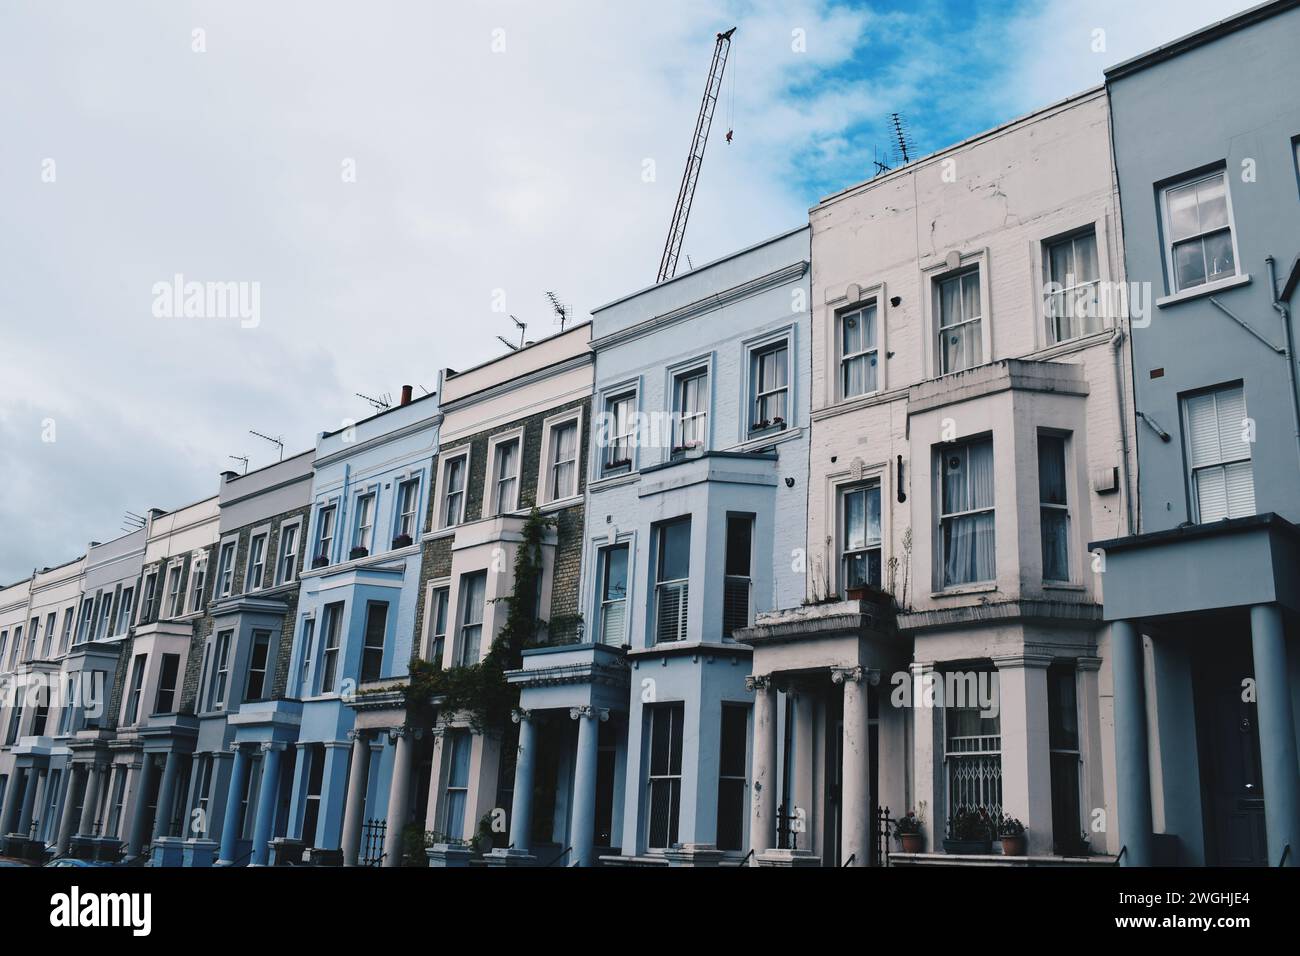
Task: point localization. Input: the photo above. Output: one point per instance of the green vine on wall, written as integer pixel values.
(481, 690)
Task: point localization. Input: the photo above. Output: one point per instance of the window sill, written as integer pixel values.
(1063, 586)
(962, 589)
(1197, 292)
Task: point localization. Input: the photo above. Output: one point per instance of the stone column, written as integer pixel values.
(354, 810)
(8, 816)
(521, 808)
(234, 797)
(399, 794)
(1026, 751)
(140, 812)
(1277, 739)
(803, 803)
(584, 782)
(162, 821)
(1132, 769)
(1090, 724)
(432, 814)
(29, 803)
(77, 790)
(929, 792)
(762, 824)
(855, 804)
(90, 803)
(268, 793)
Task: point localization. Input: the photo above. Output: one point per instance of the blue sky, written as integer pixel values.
(500, 150)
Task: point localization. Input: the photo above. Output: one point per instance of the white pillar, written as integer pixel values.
(521, 807)
(1026, 751)
(855, 805)
(166, 795)
(399, 796)
(929, 791)
(584, 782)
(1277, 741)
(77, 789)
(90, 802)
(804, 808)
(354, 810)
(435, 780)
(762, 826)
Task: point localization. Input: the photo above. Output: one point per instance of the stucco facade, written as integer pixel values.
(1204, 595)
(946, 382)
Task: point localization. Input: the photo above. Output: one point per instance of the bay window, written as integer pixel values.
(1054, 512)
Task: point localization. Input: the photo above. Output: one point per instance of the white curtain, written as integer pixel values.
(564, 454)
(968, 538)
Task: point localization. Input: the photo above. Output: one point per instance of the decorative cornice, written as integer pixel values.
(856, 675)
(758, 682)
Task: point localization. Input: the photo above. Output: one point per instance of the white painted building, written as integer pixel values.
(968, 439)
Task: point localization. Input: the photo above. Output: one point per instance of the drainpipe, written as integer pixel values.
(1116, 342)
(1281, 309)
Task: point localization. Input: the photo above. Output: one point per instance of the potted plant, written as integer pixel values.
(402, 541)
(320, 561)
(1012, 834)
(970, 831)
(907, 830)
(359, 551)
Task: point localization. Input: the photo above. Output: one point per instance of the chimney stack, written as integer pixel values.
(406, 394)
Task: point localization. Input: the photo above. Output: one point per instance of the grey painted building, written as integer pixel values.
(1204, 597)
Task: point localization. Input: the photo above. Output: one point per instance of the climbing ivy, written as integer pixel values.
(481, 690)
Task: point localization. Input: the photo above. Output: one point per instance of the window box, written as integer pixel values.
(402, 541)
(358, 552)
(320, 561)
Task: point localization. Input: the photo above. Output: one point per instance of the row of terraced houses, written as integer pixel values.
(976, 493)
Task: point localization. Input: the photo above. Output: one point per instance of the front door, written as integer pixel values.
(1228, 731)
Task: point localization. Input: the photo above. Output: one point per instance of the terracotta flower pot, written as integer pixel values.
(1013, 845)
(912, 842)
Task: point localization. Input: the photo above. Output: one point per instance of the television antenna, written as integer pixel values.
(523, 329)
(561, 310)
(379, 404)
(903, 145)
(241, 458)
(278, 442)
(132, 521)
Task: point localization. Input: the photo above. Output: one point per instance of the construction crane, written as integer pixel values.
(695, 159)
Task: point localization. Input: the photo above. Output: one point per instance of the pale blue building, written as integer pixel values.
(696, 521)
(356, 615)
(1205, 599)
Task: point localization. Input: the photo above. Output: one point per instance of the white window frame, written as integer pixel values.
(842, 358)
(753, 355)
(219, 690)
(462, 454)
(226, 569)
(630, 392)
(1223, 463)
(328, 508)
(940, 452)
(842, 491)
(1067, 443)
(331, 638)
(491, 486)
(678, 378)
(463, 609)
(546, 470)
(262, 535)
(601, 604)
(198, 581)
(1166, 227)
(1044, 255)
(401, 513)
(932, 276)
(441, 586)
(282, 552)
(365, 511)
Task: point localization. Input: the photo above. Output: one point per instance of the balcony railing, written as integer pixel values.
(671, 600)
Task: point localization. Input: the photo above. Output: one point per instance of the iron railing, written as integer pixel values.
(373, 834)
